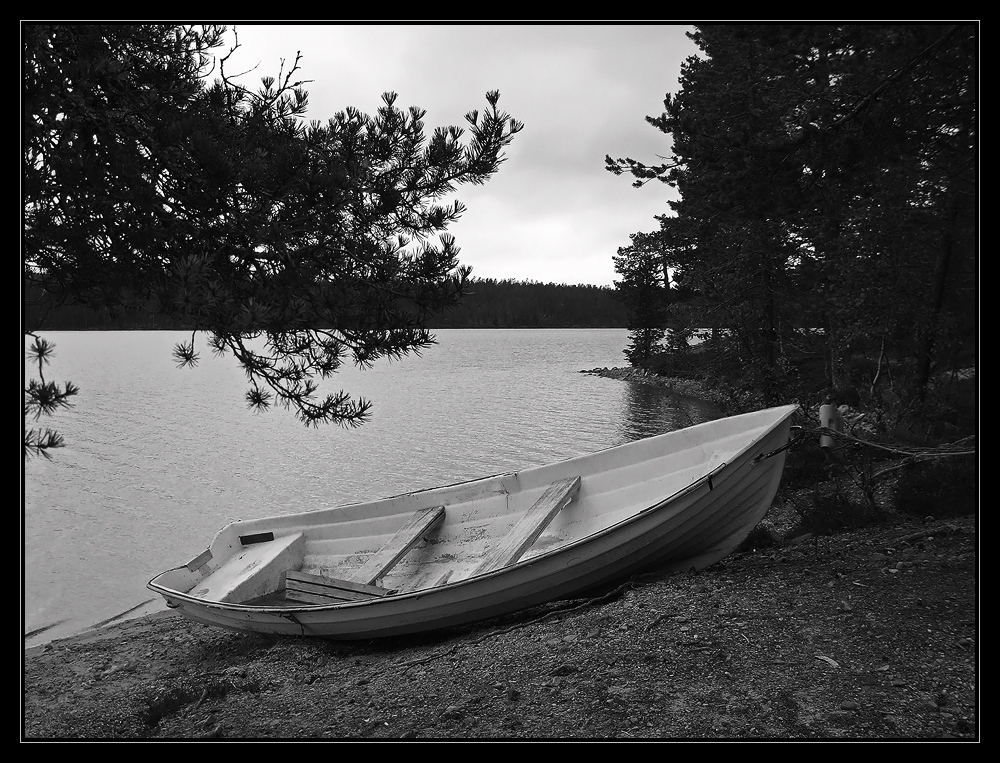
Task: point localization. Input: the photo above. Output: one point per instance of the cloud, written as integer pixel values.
(552, 212)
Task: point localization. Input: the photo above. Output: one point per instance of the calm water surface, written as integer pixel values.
(158, 458)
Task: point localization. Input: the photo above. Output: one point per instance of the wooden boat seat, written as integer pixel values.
(405, 538)
(361, 583)
(556, 496)
(255, 571)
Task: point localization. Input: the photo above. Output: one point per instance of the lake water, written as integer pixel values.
(157, 458)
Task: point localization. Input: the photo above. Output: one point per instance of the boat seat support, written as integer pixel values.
(556, 497)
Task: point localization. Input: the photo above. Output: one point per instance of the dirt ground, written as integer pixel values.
(871, 634)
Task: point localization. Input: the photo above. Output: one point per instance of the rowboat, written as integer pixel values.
(475, 550)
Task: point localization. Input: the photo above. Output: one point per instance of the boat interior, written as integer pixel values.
(268, 571)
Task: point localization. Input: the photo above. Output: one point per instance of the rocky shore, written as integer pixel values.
(686, 387)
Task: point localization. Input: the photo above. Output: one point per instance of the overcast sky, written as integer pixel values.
(552, 213)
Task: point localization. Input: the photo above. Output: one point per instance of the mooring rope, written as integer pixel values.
(908, 454)
(790, 444)
(957, 448)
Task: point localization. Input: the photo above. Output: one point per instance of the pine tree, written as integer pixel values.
(295, 245)
(644, 289)
(826, 177)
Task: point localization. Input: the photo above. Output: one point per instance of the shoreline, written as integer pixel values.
(37, 639)
(673, 384)
(110, 629)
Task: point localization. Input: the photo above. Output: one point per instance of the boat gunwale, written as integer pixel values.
(636, 516)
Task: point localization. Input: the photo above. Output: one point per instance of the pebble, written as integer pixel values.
(564, 670)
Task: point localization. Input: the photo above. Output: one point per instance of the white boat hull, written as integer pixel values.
(678, 501)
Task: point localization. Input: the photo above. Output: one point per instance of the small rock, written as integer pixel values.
(452, 712)
(564, 670)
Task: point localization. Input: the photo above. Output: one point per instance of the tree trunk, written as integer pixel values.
(926, 349)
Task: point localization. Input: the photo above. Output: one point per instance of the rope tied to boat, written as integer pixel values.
(907, 454)
(963, 447)
(790, 444)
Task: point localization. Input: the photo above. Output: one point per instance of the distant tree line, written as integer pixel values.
(486, 303)
(490, 303)
(828, 212)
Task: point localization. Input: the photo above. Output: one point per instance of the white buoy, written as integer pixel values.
(829, 418)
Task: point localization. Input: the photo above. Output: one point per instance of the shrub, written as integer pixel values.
(834, 510)
(945, 487)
